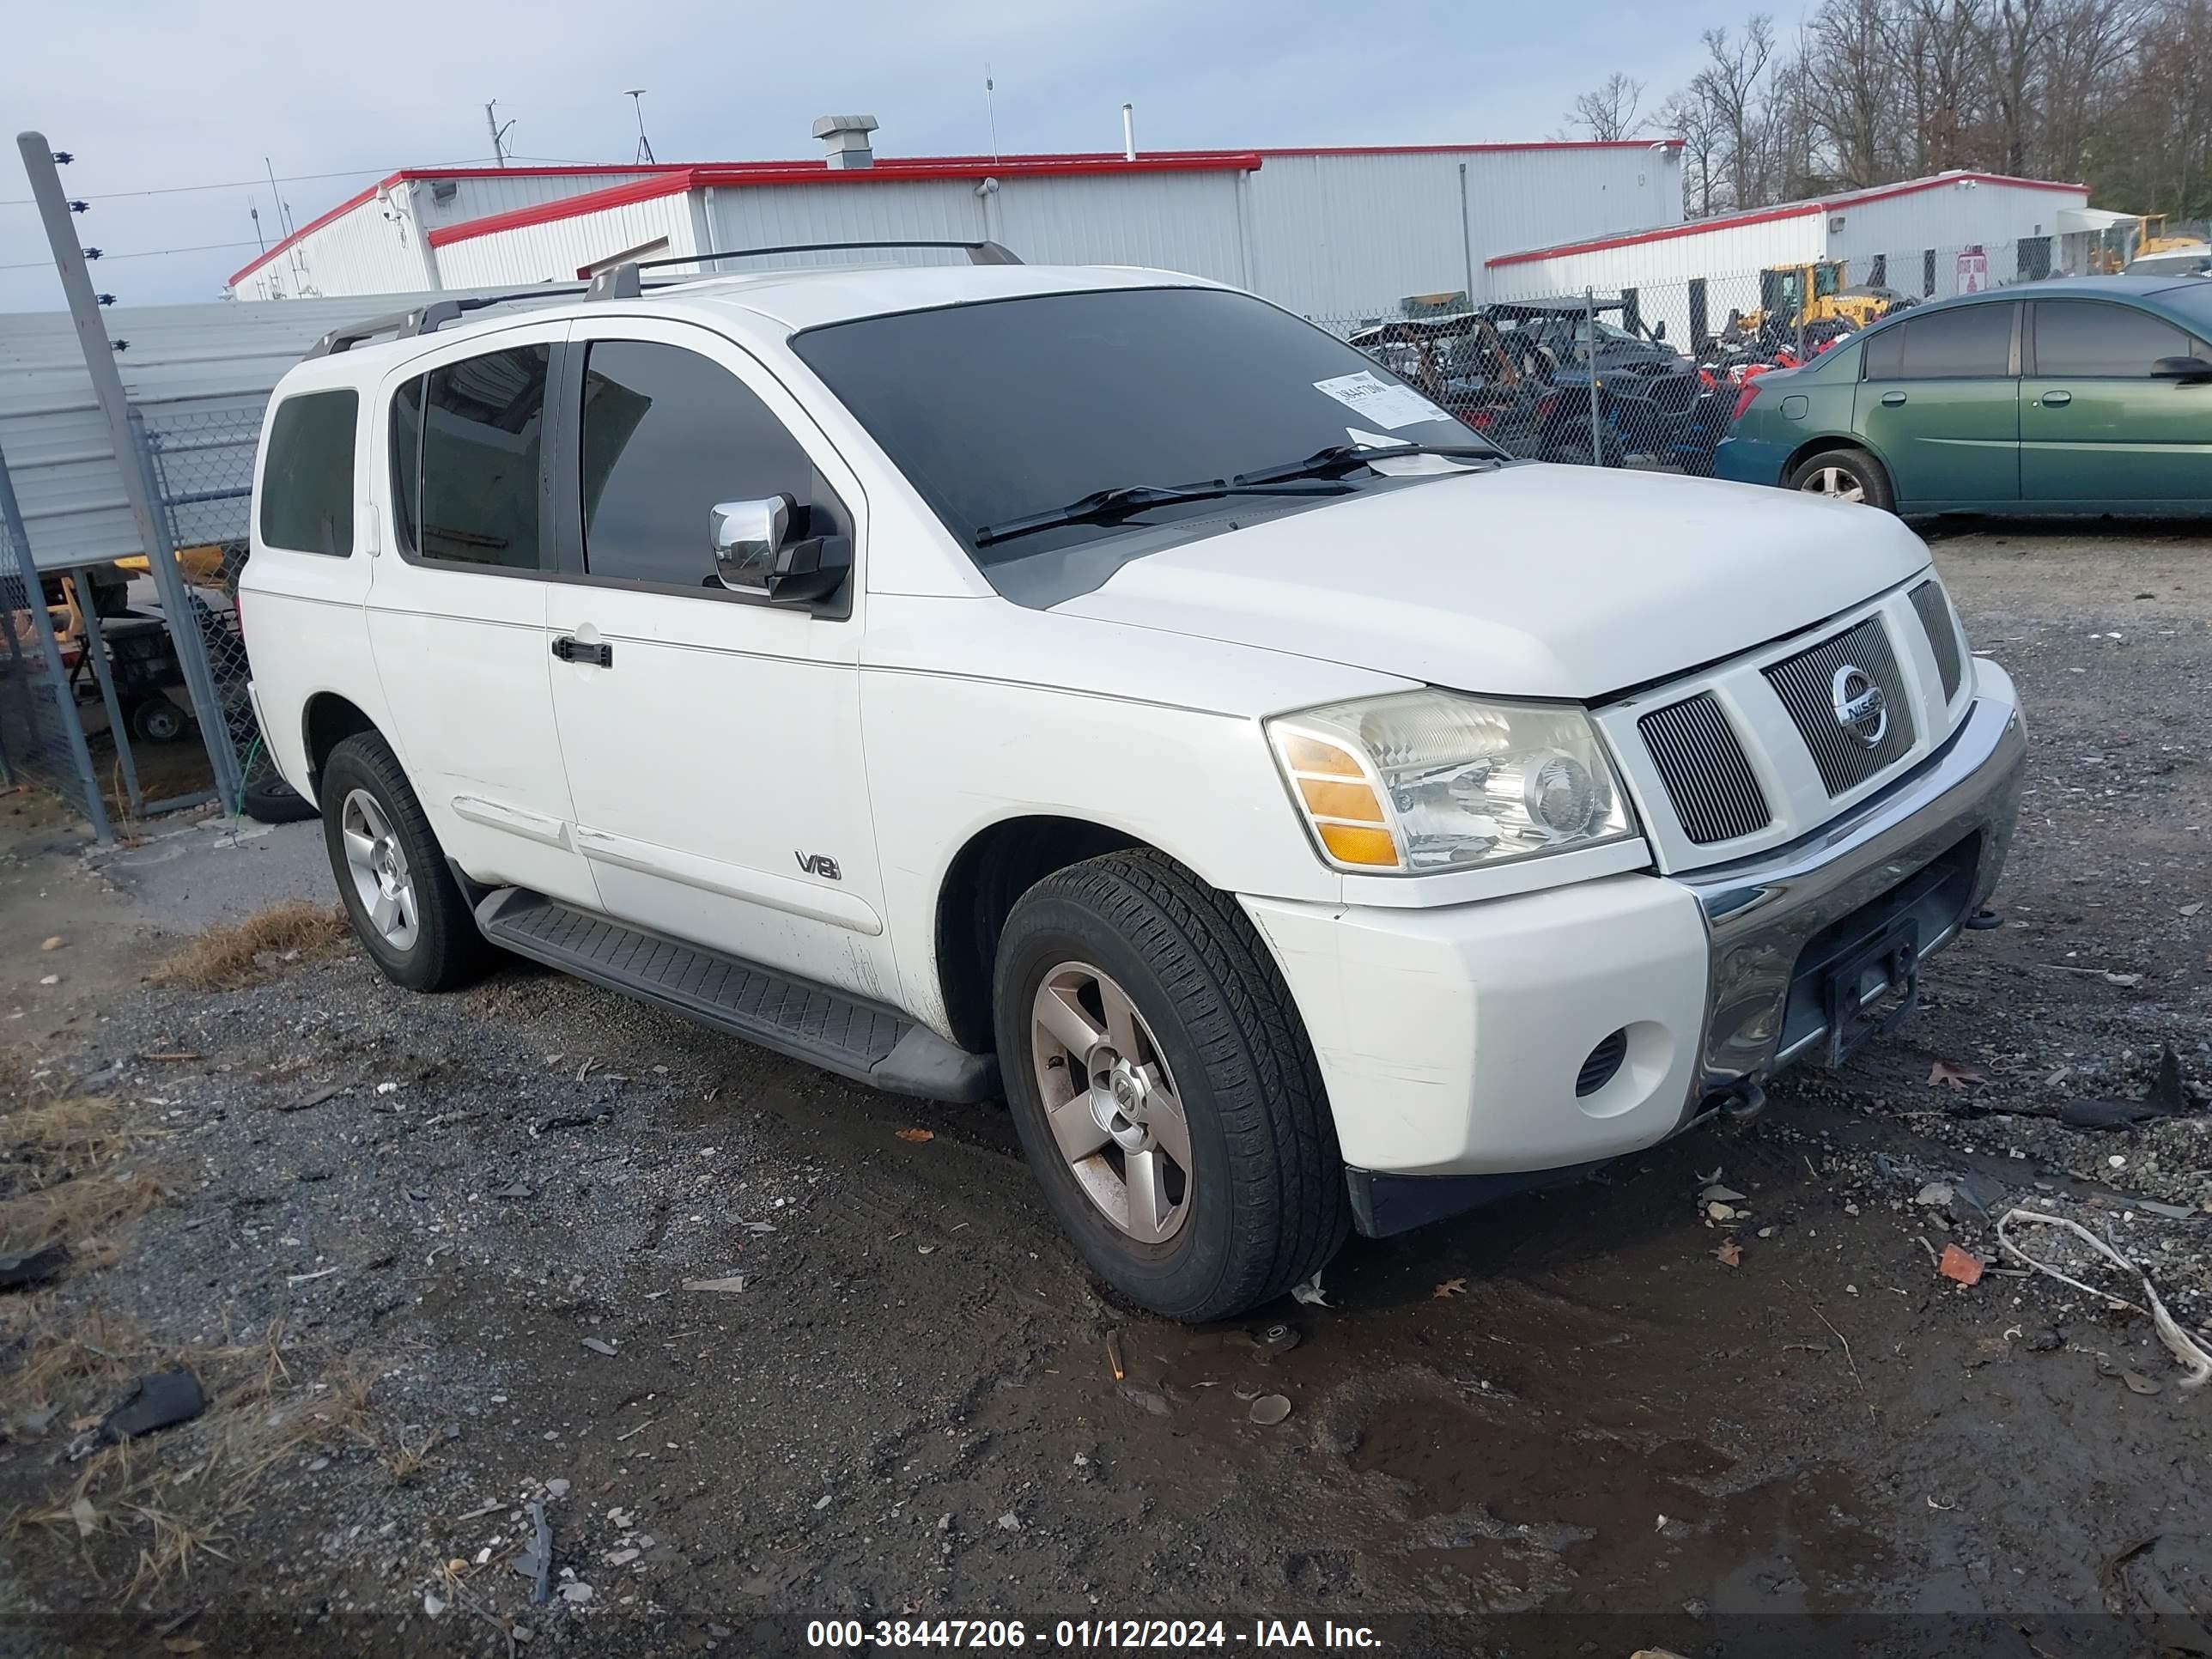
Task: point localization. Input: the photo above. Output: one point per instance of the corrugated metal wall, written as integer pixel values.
(1185, 221)
(477, 198)
(180, 360)
(777, 216)
(1724, 250)
(1348, 237)
(374, 249)
(1992, 217)
(553, 252)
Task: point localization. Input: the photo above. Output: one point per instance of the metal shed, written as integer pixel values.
(1341, 234)
(1925, 237)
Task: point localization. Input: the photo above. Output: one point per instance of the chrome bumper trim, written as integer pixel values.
(1761, 911)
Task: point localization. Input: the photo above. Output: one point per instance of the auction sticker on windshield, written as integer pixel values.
(1389, 406)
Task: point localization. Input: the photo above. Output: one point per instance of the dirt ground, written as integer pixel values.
(767, 1349)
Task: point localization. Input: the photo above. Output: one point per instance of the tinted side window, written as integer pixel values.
(666, 435)
(1971, 343)
(1884, 353)
(481, 425)
(2083, 337)
(307, 485)
(406, 459)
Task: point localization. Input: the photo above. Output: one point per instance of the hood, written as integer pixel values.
(1532, 581)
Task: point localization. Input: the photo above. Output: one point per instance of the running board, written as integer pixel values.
(856, 1039)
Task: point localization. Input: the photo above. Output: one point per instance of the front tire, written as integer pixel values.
(1164, 1089)
(405, 907)
(1846, 475)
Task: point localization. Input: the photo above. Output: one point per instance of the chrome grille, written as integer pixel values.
(1805, 685)
(1942, 634)
(1700, 760)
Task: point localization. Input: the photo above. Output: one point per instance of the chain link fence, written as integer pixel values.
(198, 459)
(123, 685)
(42, 739)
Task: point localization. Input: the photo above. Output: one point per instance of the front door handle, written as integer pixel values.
(1892, 399)
(570, 648)
(2057, 400)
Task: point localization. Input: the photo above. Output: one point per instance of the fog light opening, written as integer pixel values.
(1602, 1064)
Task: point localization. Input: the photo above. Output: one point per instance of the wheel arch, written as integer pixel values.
(327, 720)
(995, 865)
(1812, 447)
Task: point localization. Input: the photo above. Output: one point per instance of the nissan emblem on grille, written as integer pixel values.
(1861, 710)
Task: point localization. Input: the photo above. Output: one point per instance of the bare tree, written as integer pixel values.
(2011, 45)
(1609, 114)
(1732, 84)
(1686, 116)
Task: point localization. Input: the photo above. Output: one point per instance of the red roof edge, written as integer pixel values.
(752, 173)
(315, 225)
(1768, 216)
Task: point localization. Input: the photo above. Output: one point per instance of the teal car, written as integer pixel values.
(2083, 395)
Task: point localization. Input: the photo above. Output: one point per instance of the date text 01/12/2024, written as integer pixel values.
(997, 1634)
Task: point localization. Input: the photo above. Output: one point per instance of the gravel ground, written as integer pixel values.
(765, 1348)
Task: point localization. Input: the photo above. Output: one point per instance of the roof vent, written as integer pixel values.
(846, 138)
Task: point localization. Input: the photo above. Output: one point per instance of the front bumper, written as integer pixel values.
(1453, 1040)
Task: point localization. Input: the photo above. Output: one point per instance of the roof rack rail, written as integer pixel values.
(425, 318)
(621, 281)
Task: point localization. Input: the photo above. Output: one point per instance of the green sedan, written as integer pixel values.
(2087, 394)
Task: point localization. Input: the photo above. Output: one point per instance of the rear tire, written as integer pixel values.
(1845, 474)
(1244, 1196)
(271, 800)
(399, 892)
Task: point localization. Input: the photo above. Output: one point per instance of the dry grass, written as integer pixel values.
(243, 953)
(95, 1348)
(54, 1139)
(73, 1213)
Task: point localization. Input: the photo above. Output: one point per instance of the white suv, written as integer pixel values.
(1101, 688)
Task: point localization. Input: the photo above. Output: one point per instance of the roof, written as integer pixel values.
(673, 177)
(1828, 203)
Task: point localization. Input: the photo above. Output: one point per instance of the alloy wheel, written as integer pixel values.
(1111, 1102)
(1835, 483)
(377, 864)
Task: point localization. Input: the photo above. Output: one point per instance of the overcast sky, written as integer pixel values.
(152, 96)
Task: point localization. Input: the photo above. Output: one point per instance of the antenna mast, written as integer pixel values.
(498, 133)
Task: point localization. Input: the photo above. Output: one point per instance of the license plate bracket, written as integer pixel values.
(1851, 989)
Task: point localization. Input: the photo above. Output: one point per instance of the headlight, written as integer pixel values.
(1428, 781)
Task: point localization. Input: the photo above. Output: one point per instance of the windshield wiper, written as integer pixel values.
(1338, 459)
(1104, 506)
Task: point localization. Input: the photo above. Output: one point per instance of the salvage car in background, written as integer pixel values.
(2073, 396)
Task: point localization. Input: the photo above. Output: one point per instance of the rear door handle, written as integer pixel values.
(1892, 399)
(570, 648)
(2057, 400)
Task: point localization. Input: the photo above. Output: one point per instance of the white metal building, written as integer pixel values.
(1339, 234)
(1926, 237)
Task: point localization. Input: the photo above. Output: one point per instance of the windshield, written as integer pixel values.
(1015, 407)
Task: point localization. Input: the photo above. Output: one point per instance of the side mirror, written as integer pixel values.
(1659, 331)
(2190, 371)
(747, 536)
(752, 554)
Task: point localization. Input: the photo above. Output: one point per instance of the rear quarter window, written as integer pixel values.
(307, 478)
